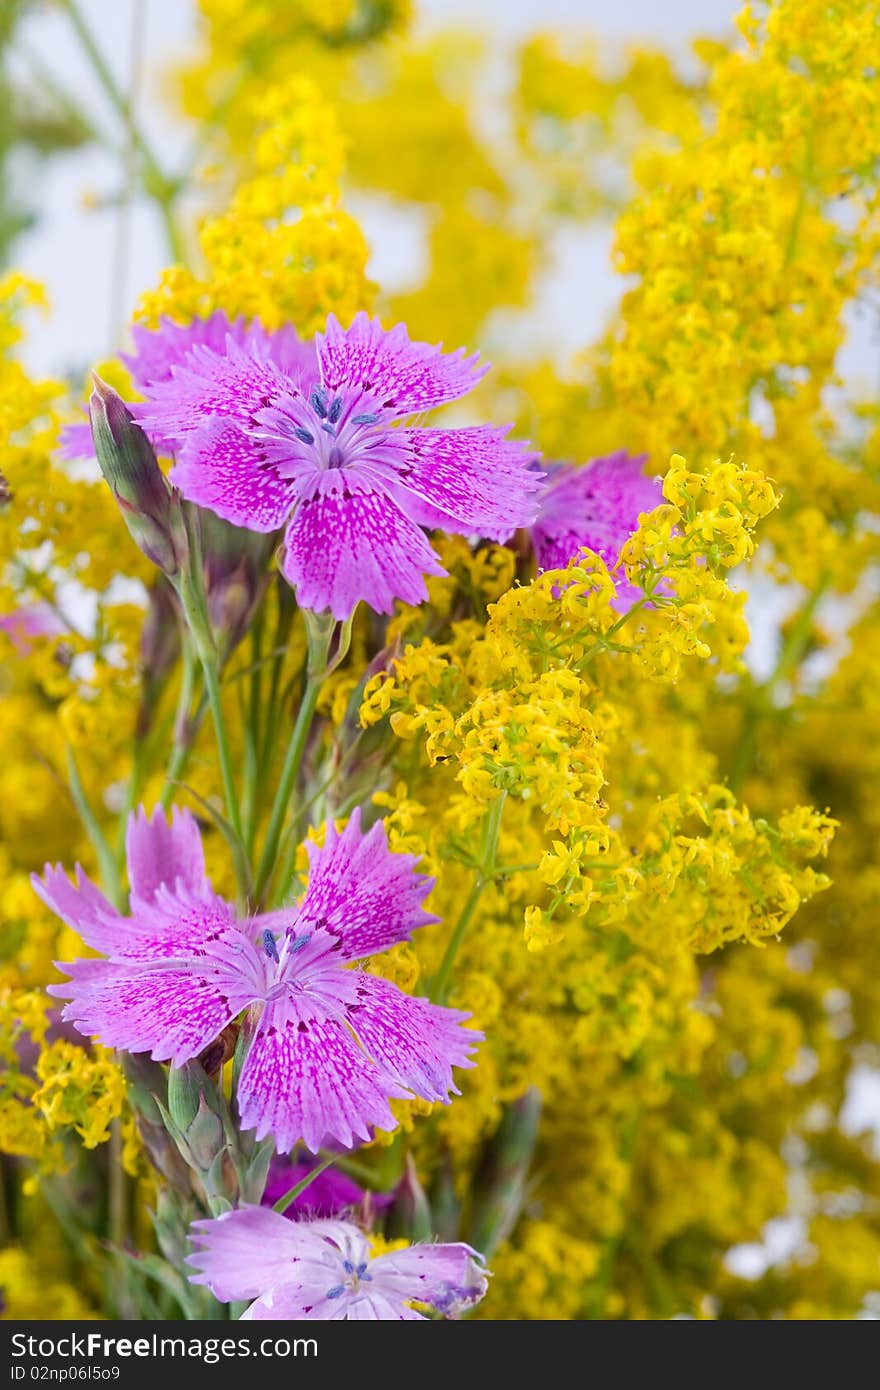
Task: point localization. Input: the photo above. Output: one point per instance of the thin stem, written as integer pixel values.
(106, 858)
(190, 589)
(252, 728)
(485, 874)
(117, 1193)
(290, 839)
(132, 796)
(440, 983)
(293, 758)
(284, 1202)
(183, 726)
(224, 751)
(157, 185)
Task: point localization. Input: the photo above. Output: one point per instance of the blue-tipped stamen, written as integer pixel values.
(335, 410)
(304, 436)
(318, 400)
(269, 946)
(364, 419)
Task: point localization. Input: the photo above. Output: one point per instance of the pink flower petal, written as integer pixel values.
(471, 480)
(171, 1010)
(411, 1039)
(164, 852)
(223, 468)
(360, 890)
(355, 543)
(306, 1078)
(244, 1252)
(400, 374)
(233, 384)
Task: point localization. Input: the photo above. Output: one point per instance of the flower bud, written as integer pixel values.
(186, 1086)
(150, 508)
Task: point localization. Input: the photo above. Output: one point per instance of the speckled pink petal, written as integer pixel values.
(162, 851)
(412, 1040)
(360, 890)
(401, 375)
(224, 469)
(449, 1277)
(157, 350)
(354, 543)
(244, 1252)
(597, 506)
(306, 1078)
(472, 481)
(170, 1009)
(233, 384)
(82, 906)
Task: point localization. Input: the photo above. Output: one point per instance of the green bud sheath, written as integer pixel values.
(150, 507)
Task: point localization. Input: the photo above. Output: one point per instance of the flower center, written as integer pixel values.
(355, 1276)
(332, 431)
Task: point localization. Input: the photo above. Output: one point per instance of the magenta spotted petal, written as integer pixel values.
(325, 1269)
(162, 350)
(323, 446)
(597, 506)
(329, 1044)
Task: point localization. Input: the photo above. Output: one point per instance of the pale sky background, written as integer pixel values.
(72, 249)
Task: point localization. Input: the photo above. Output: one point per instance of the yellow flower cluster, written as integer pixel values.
(82, 1091)
(285, 251)
(29, 1296)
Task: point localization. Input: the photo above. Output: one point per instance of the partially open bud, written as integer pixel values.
(150, 507)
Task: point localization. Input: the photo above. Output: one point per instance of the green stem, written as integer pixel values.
(224, 751)
(440, 983)
(132, 797)
(106, 858)
(117, 1197)
(289, 842)
(284, 1202)
(253, 728)
(190, 589)
(293, 758)
(485, 874)
(156, 183)
(183, 727)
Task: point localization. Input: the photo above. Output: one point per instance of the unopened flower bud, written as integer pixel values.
(150, 507)
(196, 1119)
